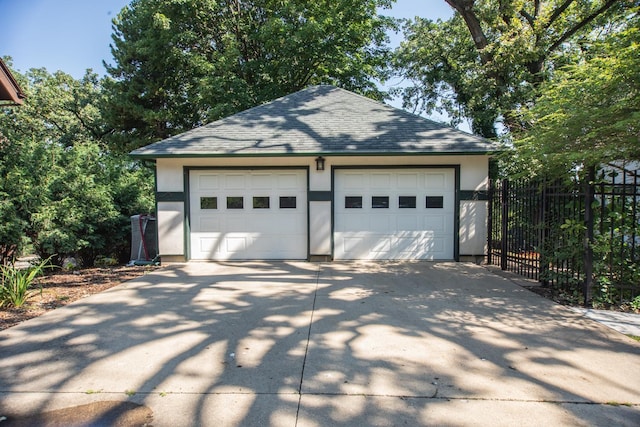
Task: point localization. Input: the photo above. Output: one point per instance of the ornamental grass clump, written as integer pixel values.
(16, 283)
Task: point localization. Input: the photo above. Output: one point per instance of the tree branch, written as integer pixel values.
(530, 19)
(558, 12)
(505, 16)
(91, 129)
(465, 9)
(580, 25)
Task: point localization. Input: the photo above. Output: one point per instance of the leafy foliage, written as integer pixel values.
(485, 62)
(63, 192)
(589, 113)
(181, 63)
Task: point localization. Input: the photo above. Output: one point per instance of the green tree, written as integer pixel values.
(485, 62)
(63, 192)
(181, 63)
(589, 113)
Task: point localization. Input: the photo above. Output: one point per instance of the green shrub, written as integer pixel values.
(11, 225)
(62, 189)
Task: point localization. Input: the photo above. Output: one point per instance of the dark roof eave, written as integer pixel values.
(314, 154)
(9, 88)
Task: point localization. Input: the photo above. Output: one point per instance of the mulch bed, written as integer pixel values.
(60, 288)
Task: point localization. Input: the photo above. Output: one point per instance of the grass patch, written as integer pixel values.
(634, 337)
(614, 403)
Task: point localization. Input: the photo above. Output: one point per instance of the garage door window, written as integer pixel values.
(353, 202)
(435, 202)
(261, 203)
(287, 202)
(380, 202)
(208, 203)
(234, 202)
(407, 202)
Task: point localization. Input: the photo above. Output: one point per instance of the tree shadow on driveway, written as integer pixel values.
(295, 343)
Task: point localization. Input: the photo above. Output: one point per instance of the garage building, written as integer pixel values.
(322, 173)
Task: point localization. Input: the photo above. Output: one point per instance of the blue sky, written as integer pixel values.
(73, 35)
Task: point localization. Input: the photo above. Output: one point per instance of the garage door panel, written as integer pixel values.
(241, 224)
(356, 245)
(436, 224)
(407, 223)
(379, 223)
(289, 181)
(296, 228)
(235, 181)
(236, 243)
(262, 181)
(407, 181)
(408, 245)
(265, 231)
(435, 181)
(381, 245)
(380, 180)
(353, 180)
(403, 228)
(209, 224)
(354, 223)
(208, 245)
(208, 182)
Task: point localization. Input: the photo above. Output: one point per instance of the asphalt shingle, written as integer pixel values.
(319, 120)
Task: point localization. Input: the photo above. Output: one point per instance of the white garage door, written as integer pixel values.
(241, 214)
(394, 214)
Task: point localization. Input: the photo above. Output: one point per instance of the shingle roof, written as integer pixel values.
(319, 120)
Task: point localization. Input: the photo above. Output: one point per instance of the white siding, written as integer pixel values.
(473, 227)
(473, 177)
(171, 228)
(320, 227)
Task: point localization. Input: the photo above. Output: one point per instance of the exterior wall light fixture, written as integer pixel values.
(319, 163)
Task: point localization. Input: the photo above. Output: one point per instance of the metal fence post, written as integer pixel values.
(589, 235)
(543, 263)
(490, 222)
(505, 224)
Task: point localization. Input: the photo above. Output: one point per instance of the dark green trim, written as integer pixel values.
(447, 166)
(474, 195)
(456, 217)
(308, 215)
(315, 154)
(246, 168)
(155, 189)
(187, 214)
(320, 196)
(170, 196)
(333, 211)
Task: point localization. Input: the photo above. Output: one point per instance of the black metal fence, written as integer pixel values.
(579, 237)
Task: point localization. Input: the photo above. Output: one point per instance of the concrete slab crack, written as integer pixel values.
(306, 350)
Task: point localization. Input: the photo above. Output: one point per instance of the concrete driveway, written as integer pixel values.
(334, 344)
